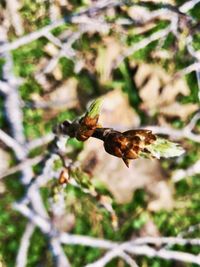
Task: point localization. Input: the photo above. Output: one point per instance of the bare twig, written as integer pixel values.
(30, 37)
(75, 18)
(22, 254)
(190, 126)
(4, 87)
(56, 41)
(21, 166)
(15, 18)
(193, 67)
(80, 18)
(196, 56)
(60, 258)
(89, 241)
(12, 100)
(86, 25)
(66, 51)
(174, 133)
(40, 141)
(190, 229)
(191, 171)
(36, 219)
(18, 143)
(14, 112)
(164, 254)
(130, 247)
(117, 252)
(143, 43)
(188, 5)
(189, 43)
(158, 241)
(186, 132)
(10, 142)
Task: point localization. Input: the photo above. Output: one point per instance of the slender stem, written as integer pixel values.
(99, 133)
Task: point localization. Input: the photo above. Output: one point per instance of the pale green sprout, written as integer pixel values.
(165, 148)
(94, 109)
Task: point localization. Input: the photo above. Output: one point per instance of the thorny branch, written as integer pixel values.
(31, 206)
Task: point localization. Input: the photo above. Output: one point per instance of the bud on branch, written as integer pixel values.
(132, 144)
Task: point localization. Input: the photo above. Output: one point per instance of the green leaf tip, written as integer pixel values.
(165, 148)
(94, 108)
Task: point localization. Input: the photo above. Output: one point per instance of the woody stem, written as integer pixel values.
(99, 133)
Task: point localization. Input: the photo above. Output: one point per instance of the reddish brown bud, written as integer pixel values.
(129, 144)
(64, 177)
(87, 127)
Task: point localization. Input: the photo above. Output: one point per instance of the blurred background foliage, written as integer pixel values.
(136, 86)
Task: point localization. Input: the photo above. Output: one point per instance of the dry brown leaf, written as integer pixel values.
(139, 13)
(4, 165)
(158, 92)
(51, 49)
(40, 77)
(162, 54)
(64, 222)
(143, 29)
(149, 229)
(57, 73)
(4, 160)
(180, 110)
(116, 111)
(62, 98)
(13, 8)
(65, 94)
(163, 196)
